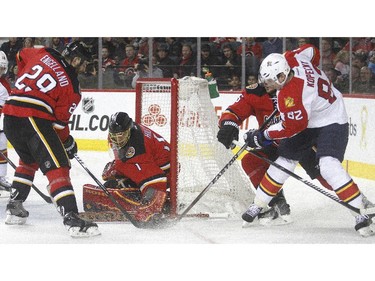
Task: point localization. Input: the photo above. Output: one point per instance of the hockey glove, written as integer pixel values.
(228, 132)
(70, 146)
(255, 139)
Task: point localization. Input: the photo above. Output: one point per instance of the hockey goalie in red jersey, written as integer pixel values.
(312, 114)
(36, 119)
(138, 177)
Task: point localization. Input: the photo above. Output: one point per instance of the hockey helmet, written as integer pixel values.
(120, 126)
(271, 68)
(3, 63)
(77, 49)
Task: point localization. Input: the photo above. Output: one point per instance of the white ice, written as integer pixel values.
(318, 221)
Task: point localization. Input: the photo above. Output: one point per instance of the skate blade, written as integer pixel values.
(14, 220)
(90, 232)
(246, 224)
(4, 194)
(280, 220)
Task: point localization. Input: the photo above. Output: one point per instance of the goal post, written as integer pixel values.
(181, 111)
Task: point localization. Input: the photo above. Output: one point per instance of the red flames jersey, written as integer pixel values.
(145, 159)
(253, 101)
(47, 87)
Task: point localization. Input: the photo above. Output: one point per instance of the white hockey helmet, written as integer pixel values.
(3, 63)
(271, 67)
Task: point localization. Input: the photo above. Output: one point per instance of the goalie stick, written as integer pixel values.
(366, 211)
(138, 224)
(45, 197)
(223, 170)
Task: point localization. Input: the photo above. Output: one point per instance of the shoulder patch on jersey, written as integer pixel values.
(289, 102)
(130, 152)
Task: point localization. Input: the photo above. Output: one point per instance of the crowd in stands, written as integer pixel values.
(351, 68)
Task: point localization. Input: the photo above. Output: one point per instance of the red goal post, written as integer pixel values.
(181, 111)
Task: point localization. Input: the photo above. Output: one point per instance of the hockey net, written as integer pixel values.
(182, 112)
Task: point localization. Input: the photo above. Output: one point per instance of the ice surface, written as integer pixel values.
(318, 221)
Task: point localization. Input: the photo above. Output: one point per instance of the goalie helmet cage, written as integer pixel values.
(181, 111)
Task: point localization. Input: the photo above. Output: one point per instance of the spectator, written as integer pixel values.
(143, 47)
(359, 59)
(252, 78)
(251, 48)
(174, 47)
(12, 75)
(366, 83)
(164, 62)
(235, 83)
(302, 41)
(334, 76)
(57, 43)
(123, 75)
(371, 63)
(231, 65)
(360, 45)
(341, 62)
(272, 45)
(187, 62)
(327, 54)
(28, 42)
(142, 70)
(106, 60)
(209, 62)
(355, 70)
(89, 79)
(11, 47)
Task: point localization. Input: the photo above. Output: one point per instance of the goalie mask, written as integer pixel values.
(3, 63)
(271, 69)
(120, 126)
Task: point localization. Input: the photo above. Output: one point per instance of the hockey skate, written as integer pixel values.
(250, 215)
(4, 188)
(363, 223)
(278, 214)
(16, 213)
(78, 227)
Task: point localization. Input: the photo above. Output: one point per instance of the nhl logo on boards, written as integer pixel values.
(88, 105)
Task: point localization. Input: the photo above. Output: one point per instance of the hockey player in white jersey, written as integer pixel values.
(312, 114)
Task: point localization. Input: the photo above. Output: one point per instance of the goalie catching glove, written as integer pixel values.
(228, 132)
(70, 146)
(256, 139)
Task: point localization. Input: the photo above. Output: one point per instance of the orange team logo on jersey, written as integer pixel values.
(289, 102)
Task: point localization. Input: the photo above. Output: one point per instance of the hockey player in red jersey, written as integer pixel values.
(36, 124)
(4, 94)
(312, 114)
(138, 177)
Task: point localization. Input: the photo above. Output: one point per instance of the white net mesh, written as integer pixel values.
(200, 156)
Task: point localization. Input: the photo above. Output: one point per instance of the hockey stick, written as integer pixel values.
(369, 211)
(215, 179)
(105, 190)
(45, 197)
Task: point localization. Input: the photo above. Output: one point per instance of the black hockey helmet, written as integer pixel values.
(77, 49)
(120, 126)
